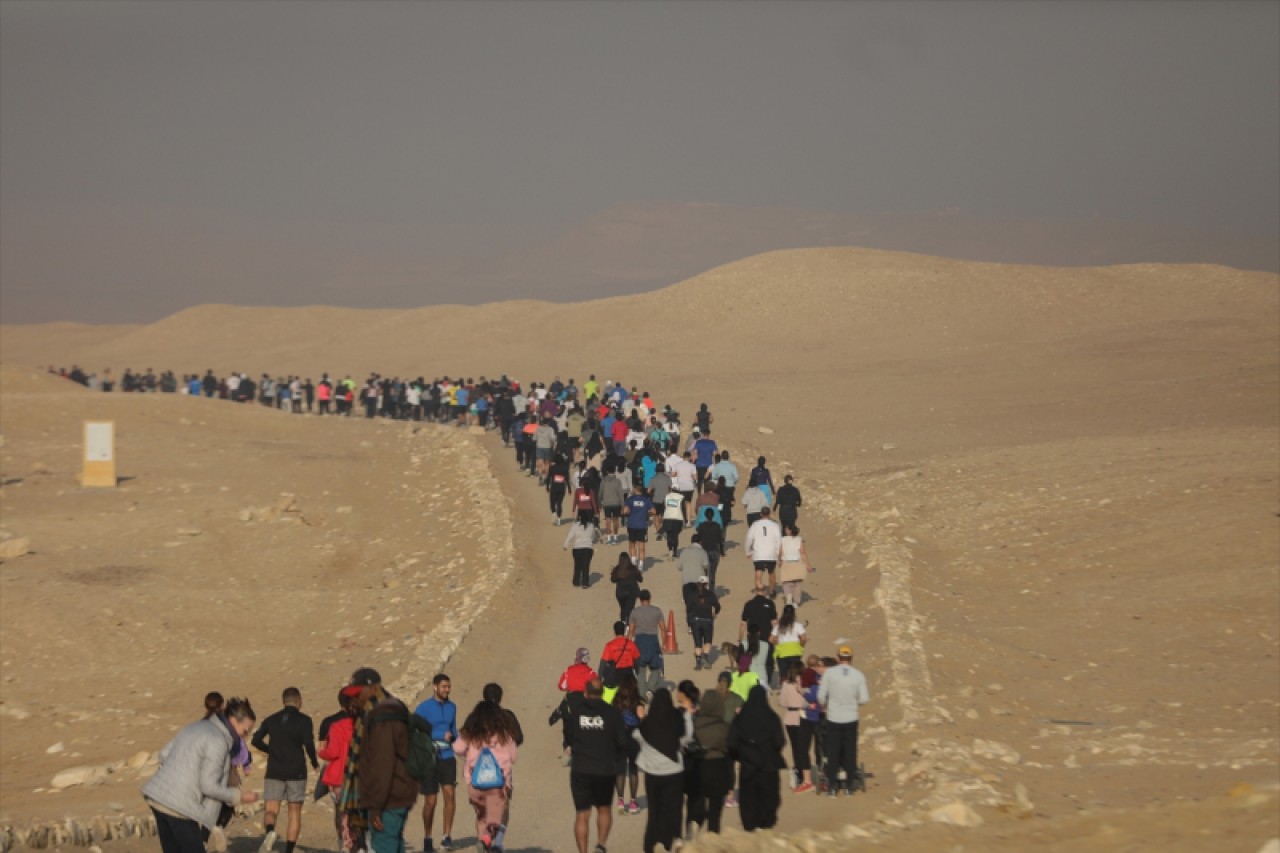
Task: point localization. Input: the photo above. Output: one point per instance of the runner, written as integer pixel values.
(597, 742)
(288, 739)
(842, 690)
(638, 510)
(582, 538)
(763, 547)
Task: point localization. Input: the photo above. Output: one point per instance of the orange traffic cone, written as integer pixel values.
(669, 646)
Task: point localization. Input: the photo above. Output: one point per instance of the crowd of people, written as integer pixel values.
(621, 464)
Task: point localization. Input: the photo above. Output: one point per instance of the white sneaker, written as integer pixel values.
(268, 841)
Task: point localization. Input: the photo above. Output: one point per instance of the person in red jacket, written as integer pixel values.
(335, 739)
(573, 681)
(622, 652)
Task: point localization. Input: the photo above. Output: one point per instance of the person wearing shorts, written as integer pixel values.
(288, 739)
(638, 509)
(438, 710)
(597, 739)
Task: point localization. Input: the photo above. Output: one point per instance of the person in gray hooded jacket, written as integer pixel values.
(193, 781)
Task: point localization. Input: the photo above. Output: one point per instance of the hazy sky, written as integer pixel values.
(380, 114)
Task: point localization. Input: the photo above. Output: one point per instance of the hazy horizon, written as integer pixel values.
(160, 155)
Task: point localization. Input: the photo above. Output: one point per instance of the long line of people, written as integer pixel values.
(621, 463)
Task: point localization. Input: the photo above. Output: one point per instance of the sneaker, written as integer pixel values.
(599, 849)
(485, 843)
(268, 841)
(426, 846)
(831, 792)
(633, 807)
(730, 801)
(804, 788)
(446, 843)
(622, 806)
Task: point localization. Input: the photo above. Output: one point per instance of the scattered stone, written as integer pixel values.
(343, 510)
(82, 775)
(995, 749)
(15, 711)
(55, 749)
(12, 549)
(1022, 800)
(888, 447)
(190, 531)
(764, 430)
(956, 813)
(138, 759)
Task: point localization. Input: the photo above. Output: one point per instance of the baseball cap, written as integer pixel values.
(725, 676)
(844, 652)
(366, 676)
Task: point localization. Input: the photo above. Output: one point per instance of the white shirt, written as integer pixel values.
(685, 475)
(764, 540)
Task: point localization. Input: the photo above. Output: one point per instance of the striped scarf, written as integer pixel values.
(349, 796)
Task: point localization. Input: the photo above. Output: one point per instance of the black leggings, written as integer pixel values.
(582, 566)
(799, 737)
(664, 823)
(557, 500)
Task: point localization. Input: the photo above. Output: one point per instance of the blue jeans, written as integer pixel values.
(391, 838)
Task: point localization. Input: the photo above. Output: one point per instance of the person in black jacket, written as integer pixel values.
(597, 740)
(285, 736)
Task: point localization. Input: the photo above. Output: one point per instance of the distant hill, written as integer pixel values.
(137, 266)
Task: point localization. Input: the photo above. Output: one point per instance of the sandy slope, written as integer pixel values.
(1039, 494)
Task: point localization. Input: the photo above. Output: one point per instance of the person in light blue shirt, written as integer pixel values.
(840, 692)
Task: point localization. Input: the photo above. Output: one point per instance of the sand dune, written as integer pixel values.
(1035, 494)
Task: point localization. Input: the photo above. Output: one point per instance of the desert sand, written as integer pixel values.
(1043, 503)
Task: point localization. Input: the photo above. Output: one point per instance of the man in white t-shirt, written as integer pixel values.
(763, 545)
(684, 479)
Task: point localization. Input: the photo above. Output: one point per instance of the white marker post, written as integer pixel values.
(99, 454)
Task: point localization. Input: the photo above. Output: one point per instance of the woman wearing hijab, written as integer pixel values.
(756, 741)
(712, 732)
(662, 736)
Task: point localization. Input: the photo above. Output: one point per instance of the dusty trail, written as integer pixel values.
(537, 621)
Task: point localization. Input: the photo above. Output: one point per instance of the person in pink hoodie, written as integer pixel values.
(487, 727)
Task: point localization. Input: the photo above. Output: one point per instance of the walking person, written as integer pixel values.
(787, 502)
(631, 708)
(794, 708)
(646, 628)
(377, 786)
(695, 815)
(193, 781)
(662, 736)
(711, 730)
(795, 565)
(788, 640)
(842, 690)
(288, 739)
(756, 741)
(438, 710)
(638, 510)
(626, 579)
(704, 607)
(763, 547)
(487, 740)
(557, 486)
(597, 742)
(582, 539)
(335, 741)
